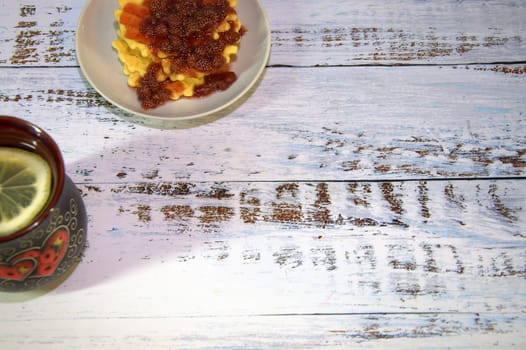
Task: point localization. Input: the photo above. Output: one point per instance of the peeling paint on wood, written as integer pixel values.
(43, 33)
(435, 121)
(368, 194)
(411, 32)
(452, 207)
(389, 45)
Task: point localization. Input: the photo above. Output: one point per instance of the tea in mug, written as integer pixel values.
(25, 186)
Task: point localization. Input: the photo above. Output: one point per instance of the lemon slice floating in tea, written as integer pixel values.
(25, 186)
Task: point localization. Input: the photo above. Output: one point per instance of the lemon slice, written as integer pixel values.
(25, 186)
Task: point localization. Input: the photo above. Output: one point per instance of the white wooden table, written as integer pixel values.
(370, 193)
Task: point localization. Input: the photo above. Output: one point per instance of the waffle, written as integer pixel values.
(138, 54)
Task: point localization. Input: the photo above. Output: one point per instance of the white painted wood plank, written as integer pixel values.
(308, 33)
(249, 233)
(38, 33)
(399, 331)
(491, 210)
(396, 32)
(317, 123)
(215, 249)
(263, 264)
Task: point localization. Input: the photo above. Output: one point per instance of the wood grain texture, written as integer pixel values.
(359, 262)
(389, 122)
(368, 193)
(398, 32)
(404, 331)
(315, 33)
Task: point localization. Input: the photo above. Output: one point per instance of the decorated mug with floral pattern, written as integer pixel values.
(49, 245)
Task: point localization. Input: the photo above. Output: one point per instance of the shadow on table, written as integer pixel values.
(112, 252)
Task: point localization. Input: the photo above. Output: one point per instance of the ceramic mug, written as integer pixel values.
(51, 245)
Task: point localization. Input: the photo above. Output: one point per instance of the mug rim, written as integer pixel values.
(51, 154)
